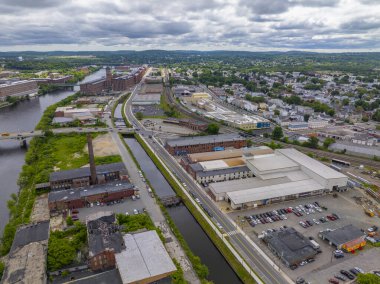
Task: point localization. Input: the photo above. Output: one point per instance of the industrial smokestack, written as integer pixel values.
(92, 159)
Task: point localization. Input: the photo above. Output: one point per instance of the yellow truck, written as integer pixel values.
(5, 134)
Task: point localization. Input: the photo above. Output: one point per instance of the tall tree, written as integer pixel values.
(277, 133)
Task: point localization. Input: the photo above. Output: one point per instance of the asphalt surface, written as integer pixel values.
(258, 264)
(36, 133)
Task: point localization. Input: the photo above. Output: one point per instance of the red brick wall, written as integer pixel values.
(102, 261)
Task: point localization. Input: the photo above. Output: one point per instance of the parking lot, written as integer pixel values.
(348, 211)
(148, 110)
(126, 205)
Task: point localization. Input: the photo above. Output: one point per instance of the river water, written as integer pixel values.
(23, 116)
(198, 241)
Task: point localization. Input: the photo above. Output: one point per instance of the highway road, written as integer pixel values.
(254, 259)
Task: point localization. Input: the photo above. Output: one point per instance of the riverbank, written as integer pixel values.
(23, 116)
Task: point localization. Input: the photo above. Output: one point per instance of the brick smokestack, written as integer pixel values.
(92, 159)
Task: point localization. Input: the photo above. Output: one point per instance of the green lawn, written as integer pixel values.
(68, 152)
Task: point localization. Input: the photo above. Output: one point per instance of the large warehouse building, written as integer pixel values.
(221, 165)
(284, 175)
(198, 144)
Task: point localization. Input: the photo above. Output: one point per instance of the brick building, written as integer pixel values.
(104, 240)
(81, 177)
(111, 83)
(198, 144)
(79, 198)
(18, 88)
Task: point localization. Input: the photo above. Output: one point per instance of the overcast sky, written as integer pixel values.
(253, 25)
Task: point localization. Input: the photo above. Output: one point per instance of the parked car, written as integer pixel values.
(359, 269)
(333, 281)
(347, 274)
(75, 211)
(353, 271)
(74, 218)
(135, 211)
(340, 277)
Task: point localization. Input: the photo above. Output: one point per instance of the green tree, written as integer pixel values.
(368, 278)
(313, 142)
(328, 141)
(212, 128)
(2, 266)
(249, 143)
(376, 115)
(277, 133)
(276, 112)
(69, 221)
(306, 117)
(139, 115)
(345, 102)
(60, 253)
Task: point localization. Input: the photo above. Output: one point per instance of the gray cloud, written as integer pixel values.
(360, 25)
(264, 7)
(183, 24)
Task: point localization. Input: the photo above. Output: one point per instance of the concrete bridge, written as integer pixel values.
(23, 135)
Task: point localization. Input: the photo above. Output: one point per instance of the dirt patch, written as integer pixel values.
(40, 209)
(77, 155)
(104, 146)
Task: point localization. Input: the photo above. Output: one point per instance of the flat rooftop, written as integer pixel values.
(272, 162)
(291, 245)
(229, 153)
(26, 264)
(35, 232)
(144, 257)
(74, 194)
(343, 235)
(196, 140)
(85, 171)
(244, 184)
(214, 165)
(273, 191)
(311, 164)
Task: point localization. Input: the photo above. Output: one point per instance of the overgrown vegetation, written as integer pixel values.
(133, 223)
(44, 153)
(2, 267)
(47, 117)
(367, 278)
(64, 246)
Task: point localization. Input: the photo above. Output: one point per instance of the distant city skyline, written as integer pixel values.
(249, 25)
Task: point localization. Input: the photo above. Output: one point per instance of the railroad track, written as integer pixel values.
(170, 99)
(351, 159)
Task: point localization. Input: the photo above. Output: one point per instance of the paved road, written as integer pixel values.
(253, 258)
(22, 135)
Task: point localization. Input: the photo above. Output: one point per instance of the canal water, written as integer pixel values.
(23, 116)
(198, 241)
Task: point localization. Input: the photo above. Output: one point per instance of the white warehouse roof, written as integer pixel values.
(272, 162)
(144, 257)
(311, 164)
(273, 191)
